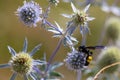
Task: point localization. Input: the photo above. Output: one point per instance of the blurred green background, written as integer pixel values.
(13, 33)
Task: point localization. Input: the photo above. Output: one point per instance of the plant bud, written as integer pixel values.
(109, 56)
(113, 28)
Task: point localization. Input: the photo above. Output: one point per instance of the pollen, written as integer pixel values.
(21, 63)
(80, 18)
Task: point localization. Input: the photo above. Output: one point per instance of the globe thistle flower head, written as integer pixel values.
(54, 2)
(29, 13)
(79, 18)
(75, 60)
(22, 63)
(113, 28)
(108, 56)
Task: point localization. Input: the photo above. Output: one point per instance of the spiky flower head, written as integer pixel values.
(108, 56)
(79, 18)
(113, 28)
(75, 60)
(54, 2)
(29, 13)
(22, 63)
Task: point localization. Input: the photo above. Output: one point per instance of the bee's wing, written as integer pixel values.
(95, 47)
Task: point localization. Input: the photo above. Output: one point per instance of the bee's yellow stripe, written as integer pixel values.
(89, 59)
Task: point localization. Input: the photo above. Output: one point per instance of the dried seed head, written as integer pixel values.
(107, 57)
(21, 63)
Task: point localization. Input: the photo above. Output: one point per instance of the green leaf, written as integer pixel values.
(55, 65)
(42, 67)
(56, 74)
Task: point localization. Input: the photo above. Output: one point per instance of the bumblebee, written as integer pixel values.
(88, 52)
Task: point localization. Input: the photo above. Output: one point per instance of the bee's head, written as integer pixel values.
(81, 48)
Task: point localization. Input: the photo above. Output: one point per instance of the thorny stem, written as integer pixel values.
(104, 68)
(45, 15)
(47, 11)
(60, 41)
(54, 53)
(58, 46)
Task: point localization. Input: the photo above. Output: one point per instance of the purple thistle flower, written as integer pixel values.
(29, 13)
(22, 63)
(75, 60)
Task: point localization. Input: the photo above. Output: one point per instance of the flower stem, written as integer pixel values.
(45, 15)
(56, 49)
(58, 45)
(79, 75)
(83, 38)
(104, 68)
(53, 54)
